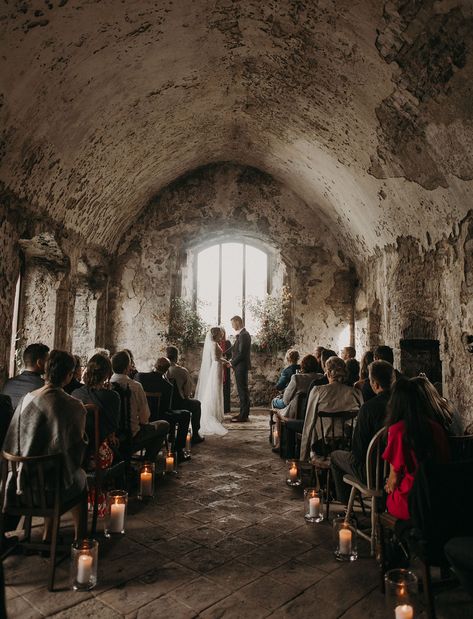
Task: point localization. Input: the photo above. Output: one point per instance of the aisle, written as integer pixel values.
(226, 538)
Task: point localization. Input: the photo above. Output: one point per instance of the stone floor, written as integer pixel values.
(226, 538)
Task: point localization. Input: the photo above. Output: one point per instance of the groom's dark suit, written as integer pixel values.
(242, 364)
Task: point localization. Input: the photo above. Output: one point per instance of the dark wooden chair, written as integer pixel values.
(38, 499)
(461, 447)
(334, 431)
(99, 478)
(289, 443)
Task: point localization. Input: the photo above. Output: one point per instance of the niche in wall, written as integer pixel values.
(421, 355)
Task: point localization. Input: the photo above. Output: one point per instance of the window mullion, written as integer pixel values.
(244, 283)
(219, 317)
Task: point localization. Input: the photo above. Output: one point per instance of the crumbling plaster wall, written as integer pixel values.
(241, 200)
(407, 291)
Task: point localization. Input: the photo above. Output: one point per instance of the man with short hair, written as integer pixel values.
(183, 392)
(34, 360)
(150, 435)
(348, 352)
(380, 353)
(318, 350)
(157, 382)
(370, 419)
(241, 365)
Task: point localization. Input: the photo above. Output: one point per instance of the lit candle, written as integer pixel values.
(146, 482)
(169, 463)
(293, 472)
(117, 517)
(404, 611)
(188, 441)
(84, 569)
(314, 507)
(344, 539)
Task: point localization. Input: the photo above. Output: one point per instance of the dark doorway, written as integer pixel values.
(421, 356)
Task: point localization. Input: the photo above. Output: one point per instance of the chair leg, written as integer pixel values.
(382, 555)
(374, 519)
(83, 517)
(27, 525)
(351, 501)
(53, 550)
(95, 513)
(428, 595)
(327, 507)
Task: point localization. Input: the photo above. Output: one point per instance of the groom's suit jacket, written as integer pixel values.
(241, 352)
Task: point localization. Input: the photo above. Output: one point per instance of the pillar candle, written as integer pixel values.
(84, 569)
(169, 463)
(117, 517)
(344, 537)
(404, 611)
(314, 507)
(146, 481)
(293, 472)
(188, 441)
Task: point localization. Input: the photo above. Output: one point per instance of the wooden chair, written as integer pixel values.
(461, 447)
(376, 471)
(98, 478)
(334, 431)
(37, 500)
(154, 401)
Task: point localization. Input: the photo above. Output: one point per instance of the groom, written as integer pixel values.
(241, 363)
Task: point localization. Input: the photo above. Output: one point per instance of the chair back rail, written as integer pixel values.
(125, 409)
(154, 401)
(94, 411)
(338, 434)
(376, 467)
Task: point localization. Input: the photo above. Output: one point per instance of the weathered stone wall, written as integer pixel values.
(212, 200)
(410, 292)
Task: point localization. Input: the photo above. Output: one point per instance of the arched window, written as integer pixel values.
(227, 275)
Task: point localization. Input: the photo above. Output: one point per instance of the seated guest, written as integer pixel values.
(95, 391)
(52, 422)
(77, 377)
(380, 353)
(366, 359)
(353, 371)
(292, 357)
(183, 392)
(348, 352)
(442, 411)
(370, 419)
(132, 372)
(34, 360)
(331, 398)
(151, 435)
(318, 350)
(324, 357)
(413, 437)
(157, 382)
(299, 383)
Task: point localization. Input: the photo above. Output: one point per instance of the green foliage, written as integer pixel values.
(272, 314)
(186, 327)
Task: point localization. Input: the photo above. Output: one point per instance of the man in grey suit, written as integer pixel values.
(241, 364)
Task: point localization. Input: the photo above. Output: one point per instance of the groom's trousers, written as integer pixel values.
(241, 379)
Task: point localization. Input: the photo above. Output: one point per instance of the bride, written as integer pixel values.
(210, 384)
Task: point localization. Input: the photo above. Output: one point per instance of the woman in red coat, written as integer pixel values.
(413, 436)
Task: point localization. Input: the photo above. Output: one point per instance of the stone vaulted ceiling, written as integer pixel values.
(364, 108)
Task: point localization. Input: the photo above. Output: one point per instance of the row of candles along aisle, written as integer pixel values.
(400, 584)
(85, 553)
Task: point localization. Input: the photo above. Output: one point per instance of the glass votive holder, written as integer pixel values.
(117, 501)
(313, 505)
(188, 442)
(170, 463)
(275, 436)
(294, 477)
(84, 560)
(401, 593)
(147, 472)
(345, 539)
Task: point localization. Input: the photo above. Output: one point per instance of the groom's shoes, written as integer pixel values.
(238, 419)
(198, 439)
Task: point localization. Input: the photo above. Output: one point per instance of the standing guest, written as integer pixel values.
(366, 359)
(77, 377)
(292, 358)
(380, 353)
(348, 352)
(183, 391)
(226, 348)
(157, 382)
(34, 360)
(53, 422)
(318, 350)
(413, 437)
(331, 398)
(370, 420)
(96, 391)
(442, 411)
(152, 434)
(353, 371)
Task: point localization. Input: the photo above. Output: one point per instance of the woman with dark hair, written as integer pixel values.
(96, 391)
(442, 411)
(299, 383)
(53, 422)
(76, 378)
(413, 437)
(366, 359)
(353, 371)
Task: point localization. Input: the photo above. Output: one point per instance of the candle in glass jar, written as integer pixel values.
(188, 441)
(404, 611)
(314, 507)
(344, 538)
(293, 472)
(146, 481)
(169, 463)
(84, 569)
(117, 517)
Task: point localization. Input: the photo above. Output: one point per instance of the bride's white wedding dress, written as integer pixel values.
(210, 389)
